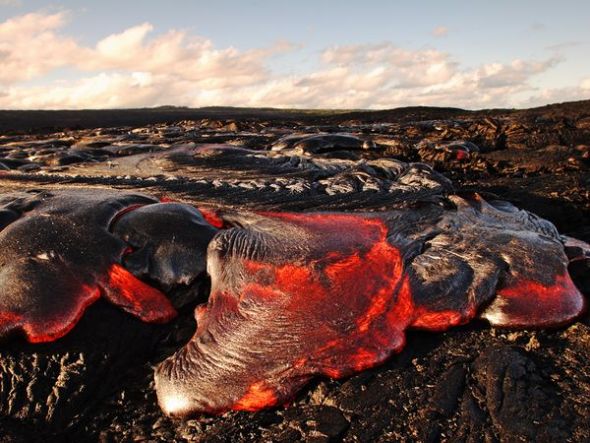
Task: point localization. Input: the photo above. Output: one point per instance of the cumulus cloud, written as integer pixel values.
(497, 75)
(440, 31)
(132, 68)
(31, 47)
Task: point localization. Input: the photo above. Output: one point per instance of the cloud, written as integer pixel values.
(11, 2)
(555, 95)
(563, 46)
(104, 90)
(440, 31)
(391, 65)
(30, 46)
(384, 75)
(133, 68)
(498, 75)
(123, 46)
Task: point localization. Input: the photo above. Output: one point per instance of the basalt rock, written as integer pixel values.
(292, 295)
(96, 383)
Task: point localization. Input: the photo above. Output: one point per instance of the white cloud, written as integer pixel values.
(98, 91)
(440, 31)
(31, 47)
(120, 47)
(131, 69)
(498, 75)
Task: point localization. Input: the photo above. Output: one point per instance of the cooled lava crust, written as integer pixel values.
(299, 295)
(293, 295)
(62, 251)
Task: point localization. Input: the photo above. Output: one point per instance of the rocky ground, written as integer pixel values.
(469, 384)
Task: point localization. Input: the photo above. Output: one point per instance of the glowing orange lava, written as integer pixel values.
(136, 297)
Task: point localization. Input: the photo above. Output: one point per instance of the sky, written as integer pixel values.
(370, 54)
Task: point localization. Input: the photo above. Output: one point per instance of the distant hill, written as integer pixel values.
(48, 121)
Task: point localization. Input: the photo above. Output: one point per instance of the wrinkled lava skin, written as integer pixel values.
(293, 295)
(299, 295)
(60, 252)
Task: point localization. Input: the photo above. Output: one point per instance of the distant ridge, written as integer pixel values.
(49, 121)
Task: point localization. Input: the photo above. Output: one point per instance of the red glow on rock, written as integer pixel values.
(212, 218)
(122, 212)
(53, 327)
(461, 155)
(526, 303)
(335, 301)
(120, 287)
(9, 317)
(125, 290)
(402, 312)
(9, 321)
(347, 306)
(437, 320)
(258, 396)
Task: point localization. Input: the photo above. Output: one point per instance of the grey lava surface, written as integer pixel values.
(472, 383)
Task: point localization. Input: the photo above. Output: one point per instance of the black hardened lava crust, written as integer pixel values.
(472, 383)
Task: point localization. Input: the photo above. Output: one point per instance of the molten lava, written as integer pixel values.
(293, 296)
(299, 295)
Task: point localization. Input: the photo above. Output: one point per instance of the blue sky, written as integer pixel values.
(371, 54)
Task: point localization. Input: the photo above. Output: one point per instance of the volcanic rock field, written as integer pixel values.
(473, 383)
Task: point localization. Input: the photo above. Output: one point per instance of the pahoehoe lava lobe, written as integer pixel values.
(167, 243)
(299, 295)
(61, 251)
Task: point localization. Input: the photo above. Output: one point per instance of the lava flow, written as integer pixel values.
(63, 251)
(299, 295)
